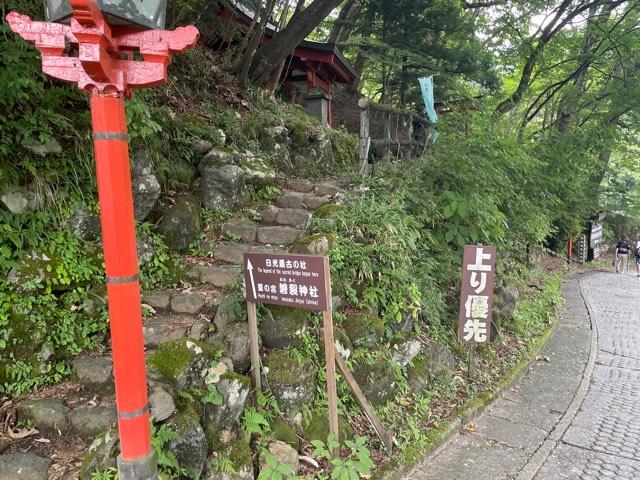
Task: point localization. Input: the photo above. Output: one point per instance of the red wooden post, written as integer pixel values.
(105, 69)
(121, 260)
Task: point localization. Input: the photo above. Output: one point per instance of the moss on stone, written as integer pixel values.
(329, 210)
(282, 431)
(282, 367)
(283, 327)
(292, 383)
(239, 452)
(242, 379)
(302, 246)
(172, 357)
(316, 427)
(365, 328)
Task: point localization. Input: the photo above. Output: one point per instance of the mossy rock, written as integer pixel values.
(101, 455)
(183, 362)
(435, 361)
(235, 391)
(292, 383)
(282, 431)
(240, 455)
(181, 223)
(317, 244)
(316, 427)
(376, 379)
(190, 447)
(419, 377)
(283, 327)
(342, 342)
(329, 210)
(365, 328)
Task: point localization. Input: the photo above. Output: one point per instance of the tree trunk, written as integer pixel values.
(343, 25)
(249, 56)
(361, 59)
(274, 79)
(269, 56)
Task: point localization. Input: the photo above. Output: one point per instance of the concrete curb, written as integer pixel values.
(397, 468)
(540, 456)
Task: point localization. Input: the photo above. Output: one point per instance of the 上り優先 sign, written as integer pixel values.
(289, 280)
(476, 298)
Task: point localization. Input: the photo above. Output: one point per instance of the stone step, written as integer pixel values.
(278, 235)
(219, 276)
(162, 328)
(299, 200)
(320, 189)
(240, 228)
(193, 301)
(229, 252)
(291, 217)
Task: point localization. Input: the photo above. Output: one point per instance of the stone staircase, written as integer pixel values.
(195, 310)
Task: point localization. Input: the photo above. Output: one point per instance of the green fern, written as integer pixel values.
(254, 421)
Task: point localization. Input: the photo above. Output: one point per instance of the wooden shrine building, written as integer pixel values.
(310, 73)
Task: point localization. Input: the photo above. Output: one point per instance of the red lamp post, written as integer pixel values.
(105, 36)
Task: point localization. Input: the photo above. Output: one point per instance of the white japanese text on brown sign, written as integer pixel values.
(476, 298)
(288, 280)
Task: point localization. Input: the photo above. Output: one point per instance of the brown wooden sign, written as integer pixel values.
(476, 298)
(289, 280)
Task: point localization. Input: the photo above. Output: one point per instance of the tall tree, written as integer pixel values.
(269, 56)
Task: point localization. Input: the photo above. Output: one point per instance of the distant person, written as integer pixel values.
(622, 254)
(637, 255)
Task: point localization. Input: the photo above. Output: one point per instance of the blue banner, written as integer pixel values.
(426, 84)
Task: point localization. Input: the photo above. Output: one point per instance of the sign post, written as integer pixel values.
(476, 298)
(297, 281)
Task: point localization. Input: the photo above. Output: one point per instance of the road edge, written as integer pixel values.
(538, 459)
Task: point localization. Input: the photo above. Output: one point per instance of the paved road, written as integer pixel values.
(574, 417)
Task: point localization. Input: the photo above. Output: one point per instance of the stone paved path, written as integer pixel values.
(553, 425)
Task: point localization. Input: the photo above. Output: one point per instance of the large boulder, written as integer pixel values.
(293, 383)
(183, 362)
(377, 380)
(47, 415)
(364, 327)
(24, 466)
(283, 326)
(223, 188)
(146, 188)
(181, 223)
(234, 390)
(190, 447)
